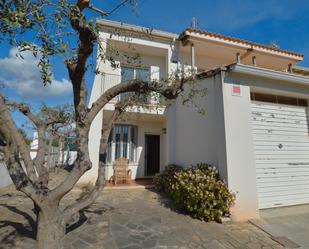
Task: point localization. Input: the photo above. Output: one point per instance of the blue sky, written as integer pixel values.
(282, 21)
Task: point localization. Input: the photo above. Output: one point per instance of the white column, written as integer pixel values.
(240, 151)
(171, 133)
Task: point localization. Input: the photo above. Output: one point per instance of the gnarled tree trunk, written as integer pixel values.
(51, 228)
(33, 178)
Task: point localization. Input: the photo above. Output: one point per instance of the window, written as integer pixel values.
(133, 73)
(122, 143)
(278, 99)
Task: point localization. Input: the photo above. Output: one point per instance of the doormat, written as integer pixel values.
(284, 241)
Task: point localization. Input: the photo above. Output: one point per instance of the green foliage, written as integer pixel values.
(198, 190)
(41, 27)
(44, 27)
(63, 114)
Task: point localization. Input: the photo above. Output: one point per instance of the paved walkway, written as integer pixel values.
(288, 224)
(131, 219)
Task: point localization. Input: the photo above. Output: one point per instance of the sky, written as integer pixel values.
(284, 22)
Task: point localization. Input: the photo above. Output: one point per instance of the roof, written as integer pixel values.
(257, 71)
(192, 31)
(238, 40)
(300, 70)
(136, 28)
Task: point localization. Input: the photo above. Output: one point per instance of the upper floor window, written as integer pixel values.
(278, 99)
(133, 73)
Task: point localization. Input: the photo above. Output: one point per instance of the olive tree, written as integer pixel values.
(49, 22)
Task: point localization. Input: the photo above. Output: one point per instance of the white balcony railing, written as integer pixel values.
(110, 80)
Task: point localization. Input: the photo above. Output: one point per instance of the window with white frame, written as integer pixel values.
(122, 143)
(135, 73)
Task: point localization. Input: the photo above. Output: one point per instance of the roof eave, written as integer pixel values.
(246, 45)
(270, 74)
(135, 28)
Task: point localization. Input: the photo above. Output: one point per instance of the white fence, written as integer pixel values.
(52, 158)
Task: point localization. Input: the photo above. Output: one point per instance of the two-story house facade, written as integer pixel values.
(255, 127)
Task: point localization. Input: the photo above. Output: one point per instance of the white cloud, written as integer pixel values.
(23, 76)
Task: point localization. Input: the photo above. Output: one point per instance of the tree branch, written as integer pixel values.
(170, 91)
(100, 182)
(76, 68)
(24, 109)
(111, 11)
(41, 123)
(17, 173)
(39, 159)
(83, 4)
(11, 135)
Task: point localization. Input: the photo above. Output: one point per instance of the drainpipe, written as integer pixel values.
(238, 58)
(290, 68)
(254, 61)
(192, 57)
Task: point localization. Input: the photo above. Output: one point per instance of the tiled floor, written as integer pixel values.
(138, 183)
(291, 223)
(130, 219)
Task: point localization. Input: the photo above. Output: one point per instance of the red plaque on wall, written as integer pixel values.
(236, 90)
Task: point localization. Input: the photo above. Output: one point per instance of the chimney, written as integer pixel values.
(194, 23)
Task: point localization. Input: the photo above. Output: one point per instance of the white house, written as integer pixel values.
(255, 130)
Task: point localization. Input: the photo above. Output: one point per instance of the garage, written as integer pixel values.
(281, 146)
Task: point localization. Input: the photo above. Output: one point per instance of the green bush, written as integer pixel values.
(198, 190)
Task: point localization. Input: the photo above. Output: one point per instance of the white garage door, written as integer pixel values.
(281, 144)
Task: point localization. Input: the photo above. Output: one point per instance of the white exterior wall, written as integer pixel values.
(161, 63)
(94, 133)
(239, 139)
(223, 137)
(138, 168)
(171, 133)
(195, 137)
(160, 67)
(151, 129)
(239, 152)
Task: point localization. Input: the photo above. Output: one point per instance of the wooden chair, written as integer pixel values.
(121, 171)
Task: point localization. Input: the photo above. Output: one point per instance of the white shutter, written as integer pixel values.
(281, 145)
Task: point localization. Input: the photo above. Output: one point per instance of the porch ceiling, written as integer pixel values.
(135, 118)
(210, 54)
(131, 47)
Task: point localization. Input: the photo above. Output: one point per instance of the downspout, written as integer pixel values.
(192, 57)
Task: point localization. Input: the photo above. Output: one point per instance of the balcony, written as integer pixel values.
(110, 80)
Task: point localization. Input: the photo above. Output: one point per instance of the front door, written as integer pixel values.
(152, 154)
